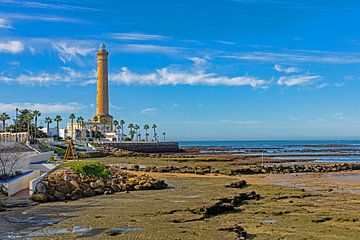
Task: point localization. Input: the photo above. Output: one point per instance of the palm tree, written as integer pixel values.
(58, 119)
(72, 117)
(28, 117)
(122, 123)
(136, 128)
(36, 114)
(4, 117)
(139, 137)
(154, 127)
(80, 122)
(116, 124)
(146, 128)
(164, 134)
(131, 132)
(48, 120)
(104, 122)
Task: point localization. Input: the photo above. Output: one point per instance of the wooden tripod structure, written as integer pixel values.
(70, 153)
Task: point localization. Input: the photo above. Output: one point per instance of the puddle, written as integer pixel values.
(269, 221)
(84, 232)
(78, 229)
(179, 201)
(345, 176)
(289, 184)
(352, 190)
(193, 196)
(117, 231)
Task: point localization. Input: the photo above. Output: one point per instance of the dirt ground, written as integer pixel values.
(292, 206)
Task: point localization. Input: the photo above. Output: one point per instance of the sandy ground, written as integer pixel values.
(292, 206)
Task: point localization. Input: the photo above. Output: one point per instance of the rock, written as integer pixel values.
(97, 184)
(40, 188)
(138, 187)
(59, 196)
(39, 197)
(67, 178)
(74, 185)
(108, 192)
(89, 193)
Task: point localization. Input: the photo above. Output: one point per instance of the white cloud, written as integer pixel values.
(165, 76)
(299, 56)
(279, 68)
(67, 75)
(4, 23)
(225, 42)
(322, 85)
(11, 47)
(138, 36)
(42, 18)
(149, 48)
(43, 107)
(148, 110)
(69, 53)
(34, 4)
(198, 61)
(297, 80)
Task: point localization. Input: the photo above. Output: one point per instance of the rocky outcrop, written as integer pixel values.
(276, 169)
(64, 184)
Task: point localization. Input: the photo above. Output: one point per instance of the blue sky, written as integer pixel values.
(215, 69)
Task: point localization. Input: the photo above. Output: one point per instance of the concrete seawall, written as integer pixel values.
(145, 147)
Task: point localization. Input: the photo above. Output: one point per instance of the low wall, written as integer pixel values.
(32, 184)
(24, 163)
(145, 147)
(19, 183)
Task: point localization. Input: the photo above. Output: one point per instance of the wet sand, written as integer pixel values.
(305, 209)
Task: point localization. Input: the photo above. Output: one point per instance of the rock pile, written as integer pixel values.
(171, 169)
(276, 169)
(239, 184)
(64, 184)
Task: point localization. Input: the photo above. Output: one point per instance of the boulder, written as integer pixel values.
(39, 197)
(40, 188)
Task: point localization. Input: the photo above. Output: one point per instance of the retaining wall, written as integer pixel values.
(19, 183)
(145, 147)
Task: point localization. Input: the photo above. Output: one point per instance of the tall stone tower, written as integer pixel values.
(102, 95)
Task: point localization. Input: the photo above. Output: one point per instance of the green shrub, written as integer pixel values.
(88, 168)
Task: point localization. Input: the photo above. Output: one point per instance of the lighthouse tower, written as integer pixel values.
(102, 94)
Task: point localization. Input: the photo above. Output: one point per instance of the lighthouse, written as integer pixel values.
(102, 92)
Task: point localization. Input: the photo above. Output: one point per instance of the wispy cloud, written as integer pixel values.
(299, 56)
(67, 75)
(42, 18)
(225, 42)
(279, 68)
(148, 110)
(43, 107)
(149, 48)
(47, 5)
(11, 47)
(166, 76)
(297, 80)
(138, 37)
(68, 53)
(4, 23)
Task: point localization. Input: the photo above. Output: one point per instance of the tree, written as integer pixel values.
(48, 121)
(116, 124)
(104, 122)
(36, 114)
(146, 128)
(122, 123)
(136, 128)
(154, 127)
(9, 156)
(164, 134)
(131, 132)
(58, 119)
(28, 117)
(4, 117)
(72, 117)
(81, 124)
